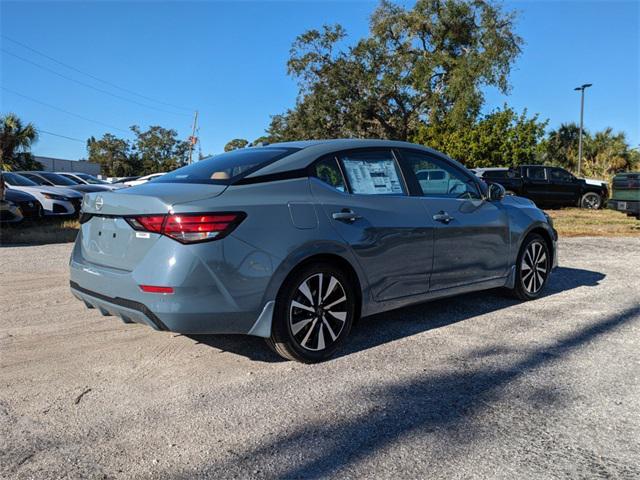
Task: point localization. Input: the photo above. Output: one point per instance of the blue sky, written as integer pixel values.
(227, 59)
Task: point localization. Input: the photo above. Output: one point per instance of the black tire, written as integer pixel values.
(304, 329)
(591, 200)
(534, 251)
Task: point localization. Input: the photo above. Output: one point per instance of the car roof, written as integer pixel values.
(310, 150)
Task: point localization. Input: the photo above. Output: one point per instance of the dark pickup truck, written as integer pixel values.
(548, 186)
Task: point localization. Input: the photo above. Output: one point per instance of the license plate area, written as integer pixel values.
(111, 242)
(622, 205)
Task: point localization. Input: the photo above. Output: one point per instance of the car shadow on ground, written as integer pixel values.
(444, 409)
(389, 326)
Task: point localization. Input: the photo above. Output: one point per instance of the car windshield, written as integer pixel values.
(18, 180)
(227, 167)
(91, 179)
(58, 179)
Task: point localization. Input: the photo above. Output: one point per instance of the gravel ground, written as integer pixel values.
(476, 386)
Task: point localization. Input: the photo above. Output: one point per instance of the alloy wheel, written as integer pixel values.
(591, 201)
(318, 312)
(535, 267)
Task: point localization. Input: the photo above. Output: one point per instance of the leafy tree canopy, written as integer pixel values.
(502, 138)
(423, 64)
(235, 144)
(155, 150)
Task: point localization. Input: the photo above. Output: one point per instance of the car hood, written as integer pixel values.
(90, 188)
(518, 201)
(595, 181)
(18, 196)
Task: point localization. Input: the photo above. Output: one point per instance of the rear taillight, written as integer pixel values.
(189, 227)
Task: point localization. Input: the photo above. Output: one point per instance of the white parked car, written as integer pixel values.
(145, 179)
(54, 200)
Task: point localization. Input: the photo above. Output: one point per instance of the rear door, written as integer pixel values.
(365, 198)
(536, 185)
(471, 241)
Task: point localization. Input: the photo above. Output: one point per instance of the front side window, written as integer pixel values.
(373, 173)
(329, 172)
(227, 167)
(559, 175)
(437, 178)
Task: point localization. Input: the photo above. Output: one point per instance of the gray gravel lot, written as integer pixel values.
(476, 386)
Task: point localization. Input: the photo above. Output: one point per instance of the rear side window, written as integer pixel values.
(536, 173)
(226, 168)
(329, 172)
(373, 172)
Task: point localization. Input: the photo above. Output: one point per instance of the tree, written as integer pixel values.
(158, 150)
(113, 155)
(560, 148)
(423, 64)
(604, 153)
(501, 138)
(235, 144)
(16, 140)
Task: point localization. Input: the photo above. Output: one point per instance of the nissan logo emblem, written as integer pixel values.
(99, 202)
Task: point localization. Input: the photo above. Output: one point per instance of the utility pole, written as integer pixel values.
(582, 89)
(193, 139)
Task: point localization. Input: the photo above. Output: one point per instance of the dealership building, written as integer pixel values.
(51, 164)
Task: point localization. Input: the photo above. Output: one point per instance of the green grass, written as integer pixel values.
(577, 222)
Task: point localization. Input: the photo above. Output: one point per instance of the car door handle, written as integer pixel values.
(442, 217)
(346, 215)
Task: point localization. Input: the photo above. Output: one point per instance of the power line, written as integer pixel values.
(87, 85)
(61, 136)
(63, 110)
(70, 67)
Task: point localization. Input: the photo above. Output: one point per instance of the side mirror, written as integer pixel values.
(496, 192)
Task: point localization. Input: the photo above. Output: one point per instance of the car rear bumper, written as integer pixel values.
(200, 303)
(627, 206)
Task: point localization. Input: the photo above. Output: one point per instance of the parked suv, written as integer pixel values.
(625, 195)
(548, 186)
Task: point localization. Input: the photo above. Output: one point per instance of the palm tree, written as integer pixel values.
(16, 140)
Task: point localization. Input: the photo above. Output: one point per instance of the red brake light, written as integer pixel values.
(189, 227)
(154, 289)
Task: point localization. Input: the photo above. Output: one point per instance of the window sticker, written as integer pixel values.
(378, 177)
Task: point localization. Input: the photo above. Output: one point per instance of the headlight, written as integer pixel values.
(53, 196)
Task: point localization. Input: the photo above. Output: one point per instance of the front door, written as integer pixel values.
(365, 198)
(565, 189)
(471, 234)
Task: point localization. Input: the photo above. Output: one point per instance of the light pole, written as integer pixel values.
(582, 89)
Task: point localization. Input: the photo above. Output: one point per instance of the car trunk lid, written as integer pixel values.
(106, 237)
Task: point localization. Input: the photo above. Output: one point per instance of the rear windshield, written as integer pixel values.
(226, 168)
(18, 180)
